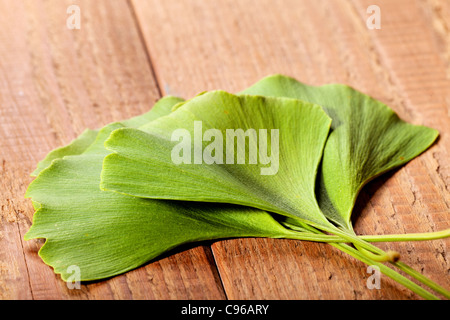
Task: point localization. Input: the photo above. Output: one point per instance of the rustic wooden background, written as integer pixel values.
(55, 82)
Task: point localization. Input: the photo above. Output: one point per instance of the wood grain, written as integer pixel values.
(196, 46)
(54, 83)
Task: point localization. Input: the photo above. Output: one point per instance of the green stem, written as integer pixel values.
(420, 277)
(386, 271)
(361, 244)
(391, 256)
(345, 235)
(408, 236)
(377, 238)
(375, 254)
(309, 236)
(402, 266)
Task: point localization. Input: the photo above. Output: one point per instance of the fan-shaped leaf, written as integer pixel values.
(77, 146)
(107, 233)
(143, 164)
(367, 139)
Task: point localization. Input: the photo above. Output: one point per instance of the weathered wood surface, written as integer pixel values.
(55, 82)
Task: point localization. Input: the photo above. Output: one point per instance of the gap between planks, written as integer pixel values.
(208, 250)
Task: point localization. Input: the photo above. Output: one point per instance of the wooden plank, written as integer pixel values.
(203, 45)
(417, 198)
(54, 83)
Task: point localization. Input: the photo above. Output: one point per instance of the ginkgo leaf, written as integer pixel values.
(106, 233)
(367, 140)
(288, 132)
(77, 146)
(141, 165)
(103, 233)
(88, 136)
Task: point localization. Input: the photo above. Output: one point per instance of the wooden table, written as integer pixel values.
(56, 81)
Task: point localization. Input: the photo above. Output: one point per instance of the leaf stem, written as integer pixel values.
(420, 277)
(402, 266)
(375, 254)
(386, 271)
(389, 256)
(379, 238)
(408, 236)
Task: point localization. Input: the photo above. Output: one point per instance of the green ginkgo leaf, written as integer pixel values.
(105, 233)
(88, 136)
(270, 165)
(141, 166)
(77, 146)
(367, 140)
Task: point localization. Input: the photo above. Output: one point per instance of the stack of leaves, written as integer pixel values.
(115, 198)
